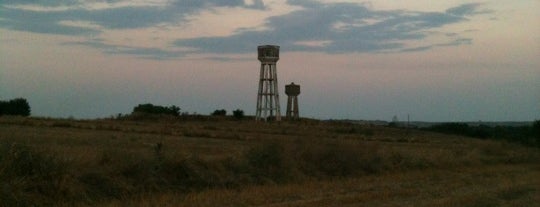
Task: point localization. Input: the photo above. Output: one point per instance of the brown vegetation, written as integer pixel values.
(220, 162)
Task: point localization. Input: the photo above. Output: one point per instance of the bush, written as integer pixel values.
(221, 112)
(238, 114)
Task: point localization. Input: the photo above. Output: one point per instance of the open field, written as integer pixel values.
(220, 162)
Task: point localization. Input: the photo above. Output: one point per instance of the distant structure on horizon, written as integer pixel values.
(292, 92)
(268, 95)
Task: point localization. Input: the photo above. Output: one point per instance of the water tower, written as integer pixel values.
(268, 95)
(292, 92)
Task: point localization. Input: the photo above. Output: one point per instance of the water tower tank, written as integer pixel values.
(268, 53)
(292, 89)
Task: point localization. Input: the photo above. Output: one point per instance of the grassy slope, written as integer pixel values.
(497, 185)
(330, 164)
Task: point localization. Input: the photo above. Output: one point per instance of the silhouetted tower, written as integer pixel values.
(268, 96)
(292, 92)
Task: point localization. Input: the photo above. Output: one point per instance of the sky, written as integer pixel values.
(443, 61)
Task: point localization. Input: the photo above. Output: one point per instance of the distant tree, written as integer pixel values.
(221, 112)
(155, 109)
(174, 110)
(238, 114)
(3, 107)
(395, 122)
(481, 131)
(18, 106)
(536, 129)
(451, 128)
(536, 125)
(395, 119)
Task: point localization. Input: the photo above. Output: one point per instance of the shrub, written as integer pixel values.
(238, 114)
(221, 112)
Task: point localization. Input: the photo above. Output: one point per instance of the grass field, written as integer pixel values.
(221, 162)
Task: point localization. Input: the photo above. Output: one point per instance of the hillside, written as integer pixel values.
(222, 162)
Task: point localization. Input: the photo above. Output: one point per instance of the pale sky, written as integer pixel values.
(452, 60)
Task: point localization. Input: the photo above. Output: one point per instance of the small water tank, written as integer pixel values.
(292, 89)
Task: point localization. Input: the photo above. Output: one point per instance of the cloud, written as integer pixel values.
(416, 49)
(142, 52)
(316, 26)
(47, 3)
(257, 4)
(343, 27)
(44, 16)
(40, 22)
(465, 9)
(228, 59)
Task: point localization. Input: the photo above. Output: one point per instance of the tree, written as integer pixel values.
(238, 114)
(155, 109)
(221, 112)
(395, 122)
(3, 107)
(18, 106)
(536, 129)
(536, 125)
(174, 110)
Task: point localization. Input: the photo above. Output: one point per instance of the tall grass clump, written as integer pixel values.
(338, 159)
(268, 162)
(31, 178)
(289, 161)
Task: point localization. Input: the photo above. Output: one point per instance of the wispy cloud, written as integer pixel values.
(316, 26)
(142, 52)
(45, 16)
(466, 10)
(342, 27)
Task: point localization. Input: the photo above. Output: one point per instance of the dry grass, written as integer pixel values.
(243, 163)
(498, 185)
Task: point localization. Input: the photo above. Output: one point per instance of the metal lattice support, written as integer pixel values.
(268, 94)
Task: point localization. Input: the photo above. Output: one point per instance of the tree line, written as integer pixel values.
(173, 110)
(155, 109)
(526, 135)
(15, 107)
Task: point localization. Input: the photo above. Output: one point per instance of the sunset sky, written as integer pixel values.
(451, 60)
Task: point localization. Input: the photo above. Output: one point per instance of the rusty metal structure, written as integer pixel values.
(292, 92)
(268, 94)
